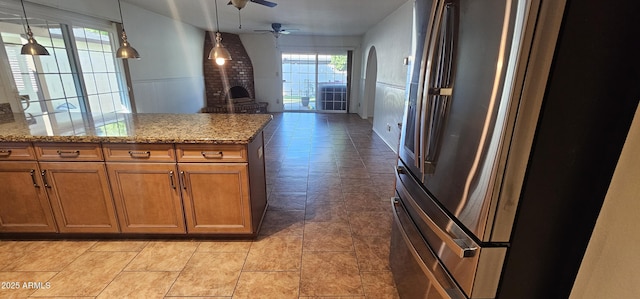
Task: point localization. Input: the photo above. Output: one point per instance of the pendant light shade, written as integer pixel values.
(219, 52)
(32, 47)
(125, 51)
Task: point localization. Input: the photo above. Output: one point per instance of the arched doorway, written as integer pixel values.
(371, 77)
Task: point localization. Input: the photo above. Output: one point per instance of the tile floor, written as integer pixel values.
(325, 234)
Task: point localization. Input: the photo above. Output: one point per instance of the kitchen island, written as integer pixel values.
(127, 175)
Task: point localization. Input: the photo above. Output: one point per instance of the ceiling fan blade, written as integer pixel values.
(265, 3)
(284, 32)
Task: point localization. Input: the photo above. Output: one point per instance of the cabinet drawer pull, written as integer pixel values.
(68, 154)
(140, 154)
(212, 155)
(173, 186)
(5, 153)
(33, 178)
(44, 178)
(182, 180)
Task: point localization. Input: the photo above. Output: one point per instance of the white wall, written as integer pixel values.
(267, 61)
(610, 268)
(169, 77)
(392, 41)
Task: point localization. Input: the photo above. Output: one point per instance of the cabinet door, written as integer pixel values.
(147, 197)
(216, 197)
(24, 206)
(80, 196)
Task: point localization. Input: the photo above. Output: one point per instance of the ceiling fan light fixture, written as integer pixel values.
(239, 4)
(32, 47)
(126, 51)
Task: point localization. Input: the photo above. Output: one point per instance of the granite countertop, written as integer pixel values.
(133, 128)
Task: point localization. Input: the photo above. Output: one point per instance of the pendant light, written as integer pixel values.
(125, 51)
(219, 52)
(32, 47)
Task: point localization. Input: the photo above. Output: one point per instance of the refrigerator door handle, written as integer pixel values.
(440, 86)
(457, 245)
(422, 96)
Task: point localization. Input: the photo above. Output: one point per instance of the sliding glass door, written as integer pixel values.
(315, 82)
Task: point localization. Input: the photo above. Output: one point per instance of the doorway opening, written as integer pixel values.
(371, 77)
(314, 82)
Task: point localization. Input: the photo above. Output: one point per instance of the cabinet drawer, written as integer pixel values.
(68, 152)
(140, 152)
(21, 151)
(211, 153)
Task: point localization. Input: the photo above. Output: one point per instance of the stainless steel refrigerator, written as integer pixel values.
(515, 115)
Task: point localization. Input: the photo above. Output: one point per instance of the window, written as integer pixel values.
(314, 82)
(81, 74)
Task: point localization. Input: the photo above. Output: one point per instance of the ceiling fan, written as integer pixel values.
(240, 4)
(276, 30)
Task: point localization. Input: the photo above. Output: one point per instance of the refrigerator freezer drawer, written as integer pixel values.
(416, 270)
(474, 266)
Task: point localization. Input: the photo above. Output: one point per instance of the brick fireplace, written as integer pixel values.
(238, 71)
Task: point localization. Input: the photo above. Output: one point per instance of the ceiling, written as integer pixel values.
(309, 17)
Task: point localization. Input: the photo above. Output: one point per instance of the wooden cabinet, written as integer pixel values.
(222, 196)
(80, 196)
(24, 206)
(216, 197)
(147, 197)
(132, 188)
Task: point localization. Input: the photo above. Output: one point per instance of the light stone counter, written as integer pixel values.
(133, 128)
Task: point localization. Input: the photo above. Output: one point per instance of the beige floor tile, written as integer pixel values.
(325, 297)
(268, 285)
(88, 275)
(197, 297)
(48, 255)
(9, 257)
(9, 246)
(327, 236)
(287, 200)
(139, 285)
(67, 297)
(163, 256)
(370, 223)
(327, 195)
(224, 246)
(330, 274)
(334, 211)
(372, 253)
(136, 246)
(274, 253)
(379, 285)
(357, 203)
(13, 283)
(209, 274)
(283, 223)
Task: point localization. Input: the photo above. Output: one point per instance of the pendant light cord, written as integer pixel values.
(121, 19)
(25, 14)
(217, 24)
